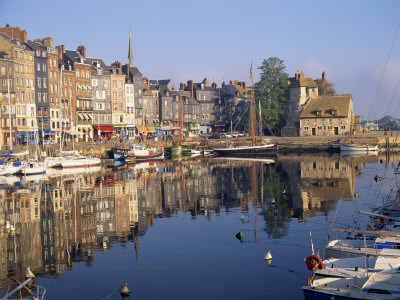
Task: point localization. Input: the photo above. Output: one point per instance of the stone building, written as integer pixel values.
(301, 89)
(101, 97)
(327, 116)
(130, 108)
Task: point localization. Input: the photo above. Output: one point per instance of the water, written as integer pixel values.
(168, 229)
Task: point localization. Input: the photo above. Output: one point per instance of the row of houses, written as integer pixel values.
(50, 93)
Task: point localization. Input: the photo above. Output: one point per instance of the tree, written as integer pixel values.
(272, 92)
(325, 88)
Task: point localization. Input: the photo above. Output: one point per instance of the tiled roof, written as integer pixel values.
(146, 90)
(326, 105)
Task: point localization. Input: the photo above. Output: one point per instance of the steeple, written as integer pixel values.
(130, 58)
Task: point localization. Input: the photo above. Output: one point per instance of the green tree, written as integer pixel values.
(272, 92)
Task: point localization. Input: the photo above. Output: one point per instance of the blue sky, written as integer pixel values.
(217, 39)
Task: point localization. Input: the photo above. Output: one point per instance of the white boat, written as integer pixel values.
(11, 168)
(358, 148)
(372, 286)
(34, 168)
(80, 162)
(246, 151)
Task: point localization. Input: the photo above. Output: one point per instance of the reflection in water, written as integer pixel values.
(64, 219)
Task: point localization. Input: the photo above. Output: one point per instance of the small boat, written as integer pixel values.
(11, 168)
(358, 148)
(119, 151)
(139, 152)
(80, 162)
(33, 168)
(255, 151)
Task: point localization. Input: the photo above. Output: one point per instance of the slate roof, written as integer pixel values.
(92, 62)
(197, 86)
(301, 82)
(133, 71)
(326, 104)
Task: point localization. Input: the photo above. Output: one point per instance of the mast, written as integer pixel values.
(260, 119)
(59, 101)
(9, 111)
(180, 118)
(26, 111)
(252, 104)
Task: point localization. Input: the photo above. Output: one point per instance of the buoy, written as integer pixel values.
(29, 273)
(268, 256)
(124, 290)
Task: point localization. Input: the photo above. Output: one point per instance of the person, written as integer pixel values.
(384, 129)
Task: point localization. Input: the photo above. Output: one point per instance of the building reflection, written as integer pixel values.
(64, 219)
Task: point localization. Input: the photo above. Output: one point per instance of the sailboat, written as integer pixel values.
(356, 147)
(180, 151)
(253, 150)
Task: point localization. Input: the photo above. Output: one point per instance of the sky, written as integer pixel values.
(357, 43)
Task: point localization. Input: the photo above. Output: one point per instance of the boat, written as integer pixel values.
(80, 162)
(11, 168)
(139, 152)
(33, 168)
(372, 285)
(253, 150)
(119, 151)
(358, 148)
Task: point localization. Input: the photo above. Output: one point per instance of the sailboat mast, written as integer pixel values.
(59, 101)
(253, 126)
(9, 111)
(180, 118)
(260, 124)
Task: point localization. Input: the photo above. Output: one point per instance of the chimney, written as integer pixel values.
(118, 66)
(323, 76)
(61, 51)
(47, 42)
(181, 86)
(243, 85)
(127, 70)
(205, 82)
(301, 74)
(297, 75)
(190, 87)
(82, 51)
(214, 85)
(15, 33)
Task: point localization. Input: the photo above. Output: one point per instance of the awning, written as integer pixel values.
(104, 128)
(146, 129)
(89, 117)
(86, 116)
(81, 116)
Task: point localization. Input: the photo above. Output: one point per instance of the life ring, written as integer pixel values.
(309, 280)
(314, 262)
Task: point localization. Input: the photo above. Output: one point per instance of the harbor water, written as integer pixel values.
(190, 229)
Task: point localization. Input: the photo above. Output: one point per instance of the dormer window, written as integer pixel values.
(334, 112)
(319, 112)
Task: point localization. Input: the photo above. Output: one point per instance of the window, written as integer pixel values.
(77, 75)
(38, 67)
(121, 118)
(51, 63)
(87, 75)
(94, 82)
(319, 127)
(44, 68)
(305, 128)
(120, 83)
(120, 106)
(121, 96)
(82, 75)
(39, 97)
(45, 82)
(55, 62)
(114, 95)
(114, 83)
(334, 112)
(44, 97)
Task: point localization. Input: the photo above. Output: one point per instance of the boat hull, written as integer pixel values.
(80, 162)
(252, 151)
(145, 157)
(310, 294)
(119, 152)
(358, 148)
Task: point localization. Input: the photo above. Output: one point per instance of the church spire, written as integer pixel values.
(130, 58)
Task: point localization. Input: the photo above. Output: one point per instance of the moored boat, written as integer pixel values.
(255, 151)
(358, 148)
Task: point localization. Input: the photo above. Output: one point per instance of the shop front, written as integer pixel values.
(104, 131)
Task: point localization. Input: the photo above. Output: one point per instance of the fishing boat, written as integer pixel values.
(119, 152)
(139, 152)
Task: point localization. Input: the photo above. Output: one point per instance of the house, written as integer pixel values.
(327, 116)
